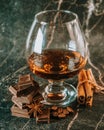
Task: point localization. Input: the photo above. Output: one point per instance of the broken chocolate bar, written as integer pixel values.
(18, 103)
(25, 78)
(25, 81)
(14, 90)
(20, 115)
(25, 85)
(16, 111)
(19, 92)
(44, 116)
(25, 98)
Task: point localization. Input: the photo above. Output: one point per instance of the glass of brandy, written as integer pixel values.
(56, 50)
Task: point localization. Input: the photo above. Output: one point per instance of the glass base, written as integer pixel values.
(59, 96)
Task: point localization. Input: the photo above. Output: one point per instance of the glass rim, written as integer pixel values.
(64, 11)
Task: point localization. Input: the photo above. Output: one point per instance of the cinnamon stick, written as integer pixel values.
(81, 92)
(96, 87)
(92, 80)
(87, 86)
(89, 103)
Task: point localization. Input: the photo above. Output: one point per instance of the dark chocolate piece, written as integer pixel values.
(15, 108)
(25, 78)
(25, 98)
(25, 81)
(19, 92)
(15, 90)
(18, 103)
(44, 116)
(16, 111)
(20, 115)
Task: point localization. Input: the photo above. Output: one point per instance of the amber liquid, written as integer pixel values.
(56, 64)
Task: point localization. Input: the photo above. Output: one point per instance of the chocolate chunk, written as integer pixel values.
(19, 92)
(25, 78)
(25, 98)
(44, 116)
(25, 85)
(16, 111)
(26, 81)
(20, 115)
(14, 90)
(20, 105)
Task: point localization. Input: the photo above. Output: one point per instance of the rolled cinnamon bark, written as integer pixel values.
(97, 88)
(87, 86)
(89, 103)
(80, 88)
(92, 80)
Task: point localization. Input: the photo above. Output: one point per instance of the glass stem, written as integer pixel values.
(55, 86)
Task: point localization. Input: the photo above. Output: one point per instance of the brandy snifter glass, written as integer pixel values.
(56, 50)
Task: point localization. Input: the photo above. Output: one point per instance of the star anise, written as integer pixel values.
(35, 107)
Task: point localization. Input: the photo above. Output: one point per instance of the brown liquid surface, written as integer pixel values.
(56, 64)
